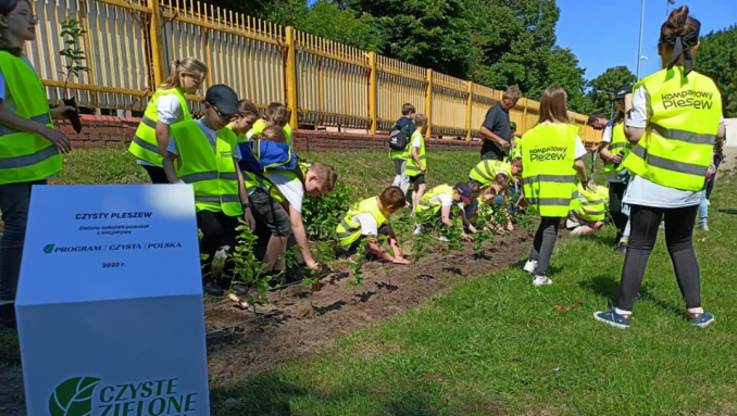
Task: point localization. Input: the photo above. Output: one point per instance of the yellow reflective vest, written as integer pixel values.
(253, 181)
(349, 230)
(548, 177)
(684, 114)
(426, 201)
(486, 170)
(619, 144)
(413, 169)
(259, 126)
(145, 146)
(593, 204)
(212, 173)
(26, 157)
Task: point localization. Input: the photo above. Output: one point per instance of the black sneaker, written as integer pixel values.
(214, 289)
(240, 289)
(621, 248)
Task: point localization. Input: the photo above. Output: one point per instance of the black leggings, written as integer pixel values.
(157, 174)
(217, 229)
(679, 223)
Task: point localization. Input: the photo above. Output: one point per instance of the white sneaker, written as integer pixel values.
(530, 266)
(542, 281)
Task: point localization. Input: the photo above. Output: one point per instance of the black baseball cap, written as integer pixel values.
(623, 91)
(224, 98)
(464, 189)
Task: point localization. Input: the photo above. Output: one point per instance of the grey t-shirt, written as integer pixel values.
(497, 121)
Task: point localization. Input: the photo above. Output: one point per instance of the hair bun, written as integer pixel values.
(678, 18)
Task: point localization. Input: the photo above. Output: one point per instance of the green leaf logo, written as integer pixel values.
(49, 248)
(73, 397)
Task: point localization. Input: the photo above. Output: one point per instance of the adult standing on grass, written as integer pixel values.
(551, 156)
(29, 146)
(166, 107)
(496, 130)
(673, 119)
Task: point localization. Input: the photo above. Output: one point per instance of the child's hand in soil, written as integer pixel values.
(400, 260)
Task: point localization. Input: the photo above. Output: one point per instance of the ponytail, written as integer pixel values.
(678, 35)
(191, 66)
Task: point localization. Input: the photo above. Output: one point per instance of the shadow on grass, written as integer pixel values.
(599, 238)
(608, 288)
(728, 211)
(269, 394)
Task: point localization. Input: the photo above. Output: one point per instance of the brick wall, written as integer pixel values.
(115, 132)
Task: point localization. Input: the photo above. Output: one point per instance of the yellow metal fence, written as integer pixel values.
(130, 43)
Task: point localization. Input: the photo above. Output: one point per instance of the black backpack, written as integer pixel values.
(398, 139)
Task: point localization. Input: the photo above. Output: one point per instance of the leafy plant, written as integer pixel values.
(248, 268)
(73, 55)
(322, 213)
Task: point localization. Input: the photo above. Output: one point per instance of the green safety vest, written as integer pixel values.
(684, 115)
(486, 170)
(145, 146)
(259, 126)
(426, 203)
(548, 177)
(26, 157)
(619, 144)
(592, 204)
(413, 169)
(349, 230)
(212, 173)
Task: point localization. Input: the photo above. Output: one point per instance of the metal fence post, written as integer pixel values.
(428, 103)
(157, 45)
(291, 72)
(469, 111)
(372, 92)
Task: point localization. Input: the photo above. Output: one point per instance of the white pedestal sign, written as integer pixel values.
(109, 305)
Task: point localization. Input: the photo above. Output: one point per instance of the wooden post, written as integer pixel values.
(469, 111)
(372, 92)
(428, 103)
(523, 127)
(291, 71)
(157, 44)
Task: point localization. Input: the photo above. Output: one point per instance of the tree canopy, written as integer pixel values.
(717, 58)
(604, 88)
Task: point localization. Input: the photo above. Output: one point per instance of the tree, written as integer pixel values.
(563, 71)
(717, 58)
(604, 87)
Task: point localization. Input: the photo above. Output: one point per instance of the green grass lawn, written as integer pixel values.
(496, 345)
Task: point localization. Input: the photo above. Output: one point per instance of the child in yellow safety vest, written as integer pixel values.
(417, 163)
(205, 154)
(370, 218)
(166, 107)
(442, 199)
(276, 114)
(591, 212)
(243, 124)
(30, 147)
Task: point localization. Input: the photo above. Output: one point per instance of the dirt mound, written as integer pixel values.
(238, 344)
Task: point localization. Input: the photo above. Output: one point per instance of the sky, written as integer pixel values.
(604, 34)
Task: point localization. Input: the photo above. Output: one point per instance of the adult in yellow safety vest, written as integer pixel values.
(417, 163)
(30, 147)
(166, 107)
(614, 150)
(673, 118)
(370, 218)
(205, 154)
(551, 157)
(276, 114)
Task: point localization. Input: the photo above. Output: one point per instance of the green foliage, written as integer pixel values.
(563, 71)
(717, 58)
(248, 268)
(74, 56)
(322, 213)
(604, 88)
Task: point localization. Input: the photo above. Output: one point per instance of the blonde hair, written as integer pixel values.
(420, 120)
(277, 113)
(274, 134)
(246, 107)
(553, 106)
(190, 66)
(513, 93)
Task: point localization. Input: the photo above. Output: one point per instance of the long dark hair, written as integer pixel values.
(6, 7)
(678, 35)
